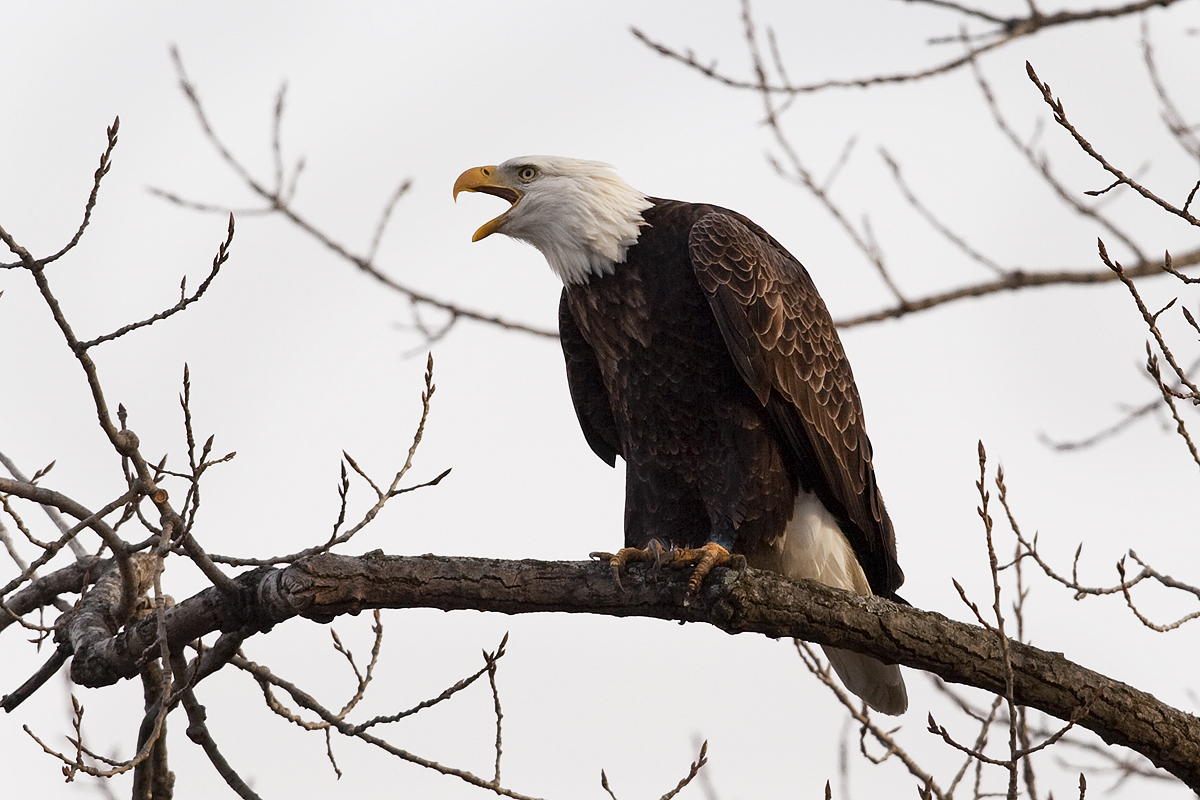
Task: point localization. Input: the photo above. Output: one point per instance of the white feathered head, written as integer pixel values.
(580, 214)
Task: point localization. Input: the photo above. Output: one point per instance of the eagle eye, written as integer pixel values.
(526, 174)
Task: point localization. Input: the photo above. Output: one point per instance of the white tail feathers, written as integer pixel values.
(814, 547)
(879, 685)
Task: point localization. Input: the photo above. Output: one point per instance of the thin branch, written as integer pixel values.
(1125, 585)
(492, 659)
(1005, 644)
(1152, 360)
(934, 222)
(101, 171)
(1147, 571)
(1012, 282)
(199, 733)
(1006, 31)
(383, 495)
(1060, 116)
(688, 59)
(75, 764)
(184, 301)
(693, 771)
(305, 700)
(87, 519)
(386, 217)
(1130, 417)
(279, 199)
(1041, 165)
(859, 712)
(1183, 133)
(798, 173)
(488, 668)
(76, 548)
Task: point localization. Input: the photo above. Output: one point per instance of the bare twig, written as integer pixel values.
(382, 495)
(76, 548)
(693, 771)
(1184, 133)
(331, 720)
(1152, 360)
(1006, 30)
(199, 733)
(1060, 116)
(1012, 282)
(279, 201)
(184, 301)
(491, 659)
(796, 172)
(488, 669)
(934, 222)
(861, 715)
(1130, 417)
(101, 171)
(1041, 165)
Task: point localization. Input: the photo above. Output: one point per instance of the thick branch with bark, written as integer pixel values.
(325, 586)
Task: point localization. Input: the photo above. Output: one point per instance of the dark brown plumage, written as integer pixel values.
(720, 424)
(699, 351)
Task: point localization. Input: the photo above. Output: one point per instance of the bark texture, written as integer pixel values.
(325, 586)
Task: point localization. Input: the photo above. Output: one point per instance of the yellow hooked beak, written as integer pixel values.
(489, 181)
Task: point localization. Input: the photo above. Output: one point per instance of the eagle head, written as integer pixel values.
(580, 214)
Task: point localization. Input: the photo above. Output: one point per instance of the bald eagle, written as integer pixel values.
(699, 351)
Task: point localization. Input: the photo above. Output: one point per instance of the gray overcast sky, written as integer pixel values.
(295, 357)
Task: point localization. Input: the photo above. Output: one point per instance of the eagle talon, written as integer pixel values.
(614, 565)
(653, 552)
(705, 558)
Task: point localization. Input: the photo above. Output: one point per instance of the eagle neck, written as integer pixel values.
(591, 241)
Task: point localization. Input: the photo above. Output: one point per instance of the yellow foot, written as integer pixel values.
(703, 559)
(653, 552)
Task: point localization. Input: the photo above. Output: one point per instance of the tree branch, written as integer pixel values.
(325, 586)
(1006, 30)
(1013, 281)
(279, 200)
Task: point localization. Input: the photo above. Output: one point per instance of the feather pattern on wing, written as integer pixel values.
(785, 346)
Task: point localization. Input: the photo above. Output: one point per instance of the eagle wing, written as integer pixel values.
(785, 347)
(588, 394)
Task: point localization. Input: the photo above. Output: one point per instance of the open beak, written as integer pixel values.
(488, 181)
